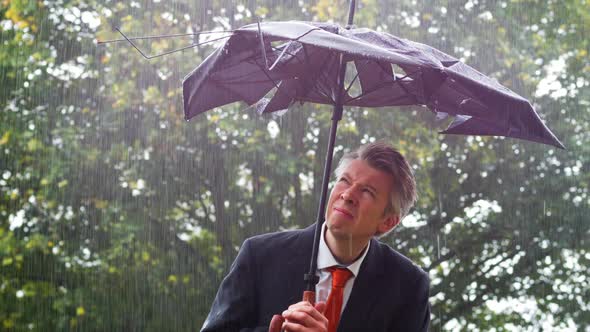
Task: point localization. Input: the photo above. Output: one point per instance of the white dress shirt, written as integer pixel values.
(326, 260)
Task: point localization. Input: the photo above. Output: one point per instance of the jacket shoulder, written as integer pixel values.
(283, 237)
(397, 262)
(276, 244)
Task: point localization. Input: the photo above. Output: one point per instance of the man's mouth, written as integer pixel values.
(345, 212)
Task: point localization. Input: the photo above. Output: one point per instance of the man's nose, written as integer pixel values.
(348, 195)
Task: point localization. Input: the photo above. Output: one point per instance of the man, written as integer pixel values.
(382, 290)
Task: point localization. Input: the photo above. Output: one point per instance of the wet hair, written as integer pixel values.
(382, 156)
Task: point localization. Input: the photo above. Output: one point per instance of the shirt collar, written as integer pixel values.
(326, 259)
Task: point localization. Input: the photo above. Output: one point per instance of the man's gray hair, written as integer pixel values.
(384, 157)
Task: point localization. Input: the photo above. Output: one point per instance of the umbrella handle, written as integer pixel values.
(309, 296)
(277, 320)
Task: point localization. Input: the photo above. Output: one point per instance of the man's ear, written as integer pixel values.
(388, 223)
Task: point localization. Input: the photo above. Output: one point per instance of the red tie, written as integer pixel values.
(335, 299)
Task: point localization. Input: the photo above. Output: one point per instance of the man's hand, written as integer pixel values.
(303, 316)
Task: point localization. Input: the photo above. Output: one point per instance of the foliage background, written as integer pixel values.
(116, 214)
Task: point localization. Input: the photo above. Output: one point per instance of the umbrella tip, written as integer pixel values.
(561, 146)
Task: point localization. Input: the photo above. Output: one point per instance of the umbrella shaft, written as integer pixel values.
(310, 278)
(351, 9)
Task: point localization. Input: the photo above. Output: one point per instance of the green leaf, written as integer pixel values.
(7, 261)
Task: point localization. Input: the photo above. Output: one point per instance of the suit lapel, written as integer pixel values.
(363, 297)
(297, 265)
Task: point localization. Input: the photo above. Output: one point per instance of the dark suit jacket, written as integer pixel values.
(389, 294)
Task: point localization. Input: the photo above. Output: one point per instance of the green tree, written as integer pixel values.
(119, 215)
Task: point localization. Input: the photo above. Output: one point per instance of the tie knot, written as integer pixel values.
(340, 276)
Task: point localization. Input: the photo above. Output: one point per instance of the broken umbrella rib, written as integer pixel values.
(380, 65)
(149, 57)
(399, 80)
(255, 58)
(313, 81)
(283, 51)
(280, 56)
(265, 71)
(263, 48)
(99, 42)
(352, 82)
(323, 76)
(277, 85)
(319, 88)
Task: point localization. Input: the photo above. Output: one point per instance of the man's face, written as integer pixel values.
(357, 203)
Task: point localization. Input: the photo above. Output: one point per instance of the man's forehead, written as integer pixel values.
(363, 171)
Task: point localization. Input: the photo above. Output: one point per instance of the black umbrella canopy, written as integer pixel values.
(300, 62)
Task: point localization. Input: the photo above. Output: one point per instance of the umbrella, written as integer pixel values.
(307, 61)
(306, 69)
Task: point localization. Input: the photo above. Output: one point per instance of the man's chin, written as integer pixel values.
(341, 220)
(339, 229)
(335, 227)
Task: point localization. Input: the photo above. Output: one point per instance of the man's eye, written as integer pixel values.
(345, 180)
(369, 191)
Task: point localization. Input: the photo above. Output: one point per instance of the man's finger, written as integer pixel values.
(308, 307)
(292, 327)
(305, 315)
(321, 307)
(276, 323)
(299, 305)
(307, 324)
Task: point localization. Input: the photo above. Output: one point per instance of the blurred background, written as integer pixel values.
(118, 215)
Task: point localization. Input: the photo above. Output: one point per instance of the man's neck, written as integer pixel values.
(346, 250)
